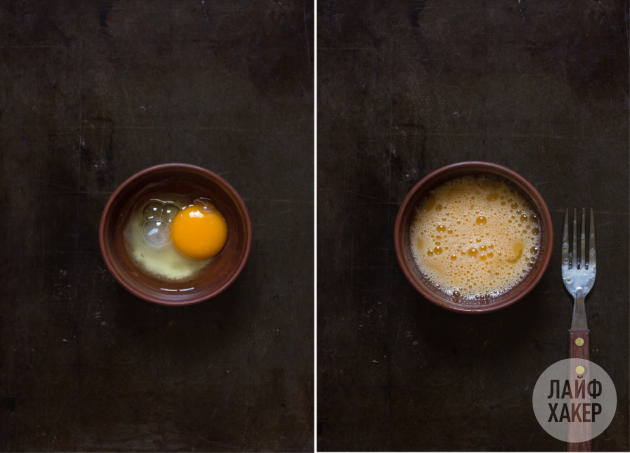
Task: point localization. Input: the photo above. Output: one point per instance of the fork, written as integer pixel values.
(578, 278)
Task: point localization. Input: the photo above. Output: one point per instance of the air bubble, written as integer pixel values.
(156, 232)
(207, 205)
(152, 211)
(492, 196)
(428, 203)
(169, 212)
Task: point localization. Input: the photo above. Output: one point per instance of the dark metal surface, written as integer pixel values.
(405, 88)
(92, 92)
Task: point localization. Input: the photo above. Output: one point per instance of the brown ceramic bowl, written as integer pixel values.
(417, 195)
(180, 179)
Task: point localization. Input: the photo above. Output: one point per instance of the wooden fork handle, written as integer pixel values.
(579, 344)
(579, 350)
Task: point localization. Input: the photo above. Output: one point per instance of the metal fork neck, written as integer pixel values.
(579, 311)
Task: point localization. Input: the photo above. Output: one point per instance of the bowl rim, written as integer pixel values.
(529, 189)
(176, 166)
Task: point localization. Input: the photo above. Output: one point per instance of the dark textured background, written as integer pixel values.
(405, 88)
(91, 92)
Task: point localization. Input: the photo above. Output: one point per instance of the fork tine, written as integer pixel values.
(565, 242)
(583, 239)
(591, 243)
(574, 249)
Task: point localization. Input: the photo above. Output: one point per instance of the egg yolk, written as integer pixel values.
(199, 231)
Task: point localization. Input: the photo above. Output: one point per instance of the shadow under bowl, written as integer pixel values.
(185, 180)
(406, 214)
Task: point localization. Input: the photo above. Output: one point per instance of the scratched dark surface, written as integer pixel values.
(89, 94)
(405, 88)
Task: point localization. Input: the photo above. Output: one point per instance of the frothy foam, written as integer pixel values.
(475, 237)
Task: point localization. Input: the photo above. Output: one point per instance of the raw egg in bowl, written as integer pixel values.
(175, 234)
